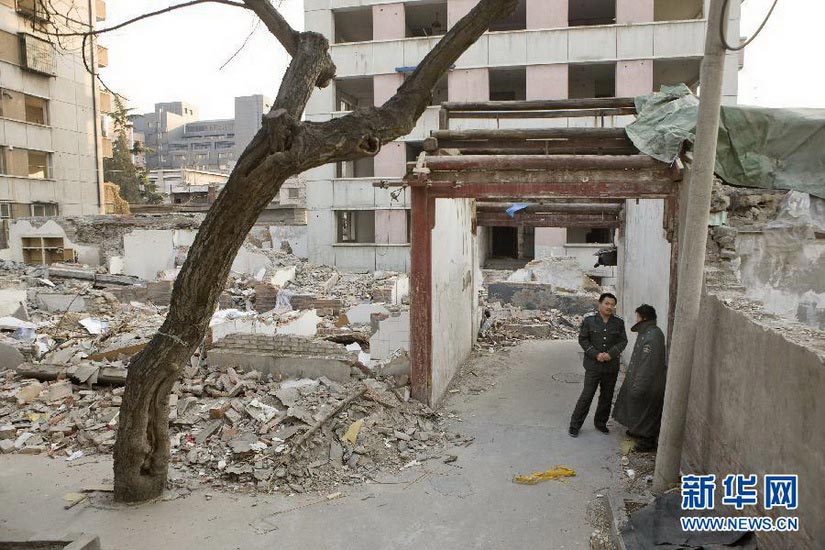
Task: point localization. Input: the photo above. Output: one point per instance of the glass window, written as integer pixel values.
(38, 164)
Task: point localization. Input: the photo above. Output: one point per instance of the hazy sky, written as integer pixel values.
(177, 56)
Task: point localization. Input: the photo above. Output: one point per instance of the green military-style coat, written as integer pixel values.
(642, 395)
(596, 336)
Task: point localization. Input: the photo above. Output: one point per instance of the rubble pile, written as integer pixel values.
(507, 326)
(239, 430)
(69, 332)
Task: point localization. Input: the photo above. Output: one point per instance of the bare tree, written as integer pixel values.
(283, 147)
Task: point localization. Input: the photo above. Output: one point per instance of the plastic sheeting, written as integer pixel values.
(758, 147)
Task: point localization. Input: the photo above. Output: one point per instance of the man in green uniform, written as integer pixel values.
(641, 399)
(602, 337)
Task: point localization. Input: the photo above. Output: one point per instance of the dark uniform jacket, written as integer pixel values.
(641, 398)
(596, 336)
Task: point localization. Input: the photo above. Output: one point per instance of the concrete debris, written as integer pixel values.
(283, 395)
(562, 274)
(508, 325)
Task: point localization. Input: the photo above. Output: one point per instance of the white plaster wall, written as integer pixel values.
(455, 285)
(295, 235)
(644, 264)
(148, 251)
(89, 255)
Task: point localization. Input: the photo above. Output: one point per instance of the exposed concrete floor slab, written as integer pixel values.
(520, 425)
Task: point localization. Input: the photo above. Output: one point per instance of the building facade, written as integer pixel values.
(51, 141)
(548, 49)
(175, 138)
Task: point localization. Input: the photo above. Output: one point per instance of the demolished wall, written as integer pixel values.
(455, 291)
(756, 405)
(644, 260)
(774, 243)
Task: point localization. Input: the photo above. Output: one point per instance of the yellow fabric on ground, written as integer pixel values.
(553, 473)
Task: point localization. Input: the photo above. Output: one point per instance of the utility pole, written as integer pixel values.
(692, 255)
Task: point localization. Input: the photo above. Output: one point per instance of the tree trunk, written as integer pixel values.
(282, 148)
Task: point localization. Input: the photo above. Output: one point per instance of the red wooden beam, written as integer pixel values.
(541, 162)
(422, 220)
(590, 190)
(546, 220)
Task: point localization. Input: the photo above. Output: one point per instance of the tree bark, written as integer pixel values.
(282, 148)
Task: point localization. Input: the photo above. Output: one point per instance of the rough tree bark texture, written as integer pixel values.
(282, 148)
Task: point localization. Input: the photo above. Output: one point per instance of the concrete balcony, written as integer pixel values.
(603, 43)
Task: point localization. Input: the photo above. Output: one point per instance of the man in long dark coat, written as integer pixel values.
(641, 397)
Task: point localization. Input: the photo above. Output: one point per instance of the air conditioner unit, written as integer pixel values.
(33, 9)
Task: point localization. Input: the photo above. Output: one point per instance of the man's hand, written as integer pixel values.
(603, 357)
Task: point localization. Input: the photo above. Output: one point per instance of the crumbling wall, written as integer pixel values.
(756, 407)
(295, 235)
(42, 227)
(455, 297)
(644, 264)
(146, 252)
(99, 240)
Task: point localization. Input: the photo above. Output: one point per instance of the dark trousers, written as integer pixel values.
(592, 381)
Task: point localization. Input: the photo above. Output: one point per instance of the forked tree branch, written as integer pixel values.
(275, 22)
(95, 32)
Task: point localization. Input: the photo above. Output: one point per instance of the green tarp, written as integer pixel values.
(758, 147)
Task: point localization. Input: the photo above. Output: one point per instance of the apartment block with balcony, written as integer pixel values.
(50, 132)
(548, 49)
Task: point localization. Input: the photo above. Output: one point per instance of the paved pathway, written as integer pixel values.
(520, 424)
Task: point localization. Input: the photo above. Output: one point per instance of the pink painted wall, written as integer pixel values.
(384, 87)
(388, 22)
(456, 9)
(390, 226)
(391, 160)
(547, 81)
(634, 77)
(634, 11)
(469, 85)
(546, 14)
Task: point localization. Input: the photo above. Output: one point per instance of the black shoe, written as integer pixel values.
(644, 447)
(574, 432)
(602, 429)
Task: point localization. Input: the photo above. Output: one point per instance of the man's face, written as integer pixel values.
(607, 307)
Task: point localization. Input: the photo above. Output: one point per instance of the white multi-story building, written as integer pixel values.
(549, 49)
(51, 141)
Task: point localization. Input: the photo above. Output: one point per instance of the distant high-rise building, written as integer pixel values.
(175, 137)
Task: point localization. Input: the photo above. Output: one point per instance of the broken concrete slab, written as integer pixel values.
(13, 323)
(59, 390)
(283, 276)
(392, 334)
(60, 302)
(305, 324)
(284, 367)
(10, 357)
(362, 313)
(11, 299)
(561, 273)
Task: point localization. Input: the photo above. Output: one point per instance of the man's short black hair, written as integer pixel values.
(608, 295)
(646, 312)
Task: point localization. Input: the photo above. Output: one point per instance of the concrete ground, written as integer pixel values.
(517, 406)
